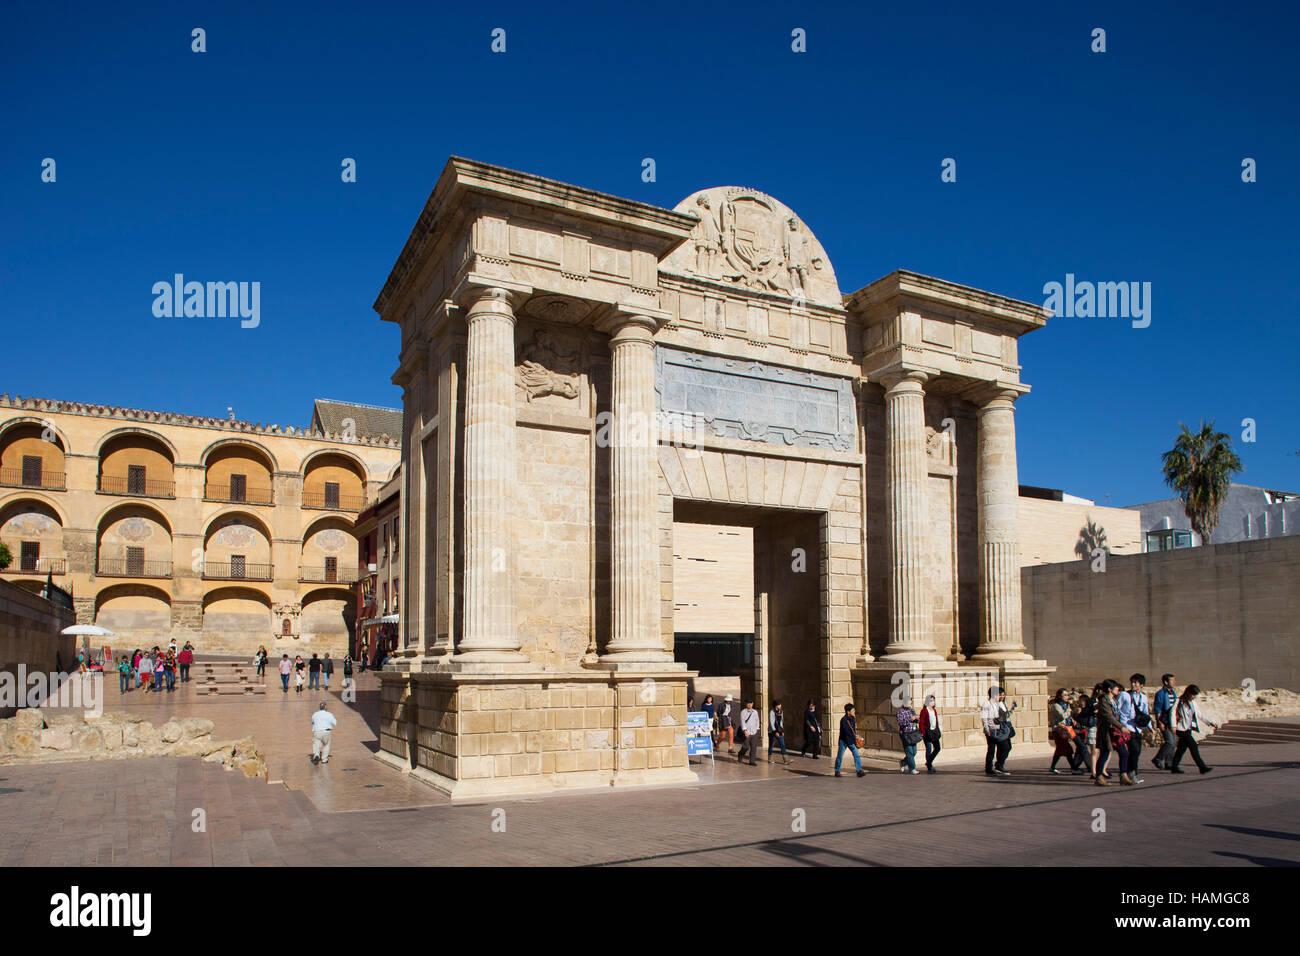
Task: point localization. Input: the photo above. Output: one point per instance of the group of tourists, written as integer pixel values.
(155, 669)
(315, 673)
(1088, 730)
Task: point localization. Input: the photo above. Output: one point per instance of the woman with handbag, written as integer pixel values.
(1109, 723)
(1061, 726)
(724, 725)
(930, 732)
(910, 734)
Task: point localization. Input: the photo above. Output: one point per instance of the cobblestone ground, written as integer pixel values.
(356, 811)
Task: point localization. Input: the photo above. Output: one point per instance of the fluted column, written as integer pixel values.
(999, 541)
(909, 608)
(489, 588)
(634, 514)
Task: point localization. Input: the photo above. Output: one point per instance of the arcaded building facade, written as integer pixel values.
(225, 533)
(582, 375)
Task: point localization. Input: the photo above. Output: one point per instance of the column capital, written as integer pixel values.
(621, 318)
(475, 287)
(995, 395)
(903, 379)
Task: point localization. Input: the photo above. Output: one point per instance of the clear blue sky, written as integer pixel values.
(225, 166)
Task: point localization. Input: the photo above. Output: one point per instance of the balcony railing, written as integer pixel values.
(148, 488)
(14, 478)
(329, 502)
(324, 575)
(40, 566)
(236, 572)
(125, 568)
(247, 495)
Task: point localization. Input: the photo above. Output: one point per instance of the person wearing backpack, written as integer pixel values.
(1137, 714)
(1166, 700)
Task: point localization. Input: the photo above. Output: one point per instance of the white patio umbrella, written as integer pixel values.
(89, 630)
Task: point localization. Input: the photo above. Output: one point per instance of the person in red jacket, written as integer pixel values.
(185, 658)
(930, 732)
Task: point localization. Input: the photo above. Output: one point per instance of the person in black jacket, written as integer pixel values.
(812, 732)
(326, 669)
(849, 740)
(313, 673)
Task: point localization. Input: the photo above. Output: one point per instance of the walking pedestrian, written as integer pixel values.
(298, 673)
(123, 673)
(1087, 717)
(365, 655)
(1060, 725)
(1111, 727)
(849, 740)
(185, 658)
(313, 673)
(724, 725)
(285, 667)
(1166, 701)
(1136, 714)
(261, 662)
(812, 731)
(931, 732)
(1187, 720)
(776, 732)
(159, 672)
(909, 732)
(322, 726)
(326, 669)
(347, 668)
(995, 718)
(144, 672)
(749, 728)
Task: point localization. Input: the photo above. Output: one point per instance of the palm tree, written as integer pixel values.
(1200, 467)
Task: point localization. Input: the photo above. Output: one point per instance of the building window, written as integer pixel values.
(286, 627)
(135, 561)
(237, 565)
(1168, 539)
(331, 569)
(135, 480)
(29, 556)
(238, 487)
(331, 494)
(384, 593)
(32, 470)
(397, 538)
(397, 604)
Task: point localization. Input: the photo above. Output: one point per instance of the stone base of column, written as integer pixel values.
(635, 662)
(960, 689)
(992, 653)
(904, 653)
(473, 734)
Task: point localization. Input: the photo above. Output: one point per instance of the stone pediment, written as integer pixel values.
(751, 241)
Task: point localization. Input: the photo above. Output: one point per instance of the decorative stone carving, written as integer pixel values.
(535, 374)
(748, 239)
(936, 446)
(234, 533)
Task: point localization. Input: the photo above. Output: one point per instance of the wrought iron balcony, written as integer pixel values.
(325, 575)
(141, 488)
(39, 566)
(231, 571)
(130, 568)
(17, 478)
(324, 501)
(247, 495)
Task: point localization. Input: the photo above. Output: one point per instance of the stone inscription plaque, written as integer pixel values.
(742, 399)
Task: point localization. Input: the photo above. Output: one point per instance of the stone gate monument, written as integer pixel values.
(579, 371)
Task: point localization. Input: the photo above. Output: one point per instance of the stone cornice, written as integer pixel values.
(659, 230)
(1016, 315)
(180, 419)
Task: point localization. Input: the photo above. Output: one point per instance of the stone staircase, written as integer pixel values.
(226, 678)
(1255, 732)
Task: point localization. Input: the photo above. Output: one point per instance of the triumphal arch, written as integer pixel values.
(580, 372)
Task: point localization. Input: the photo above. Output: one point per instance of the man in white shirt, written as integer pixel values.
(322, 723)
(749, 725)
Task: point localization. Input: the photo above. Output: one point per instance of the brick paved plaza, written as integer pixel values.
(357, 811)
